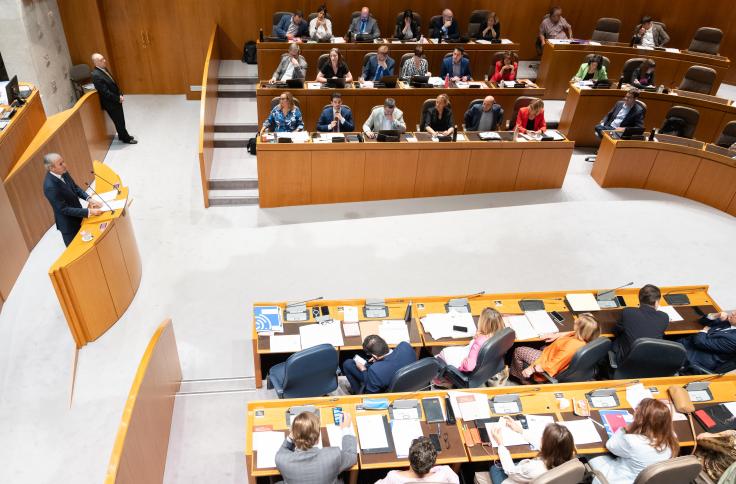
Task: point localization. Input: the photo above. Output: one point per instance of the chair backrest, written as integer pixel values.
(313, 16)
(80, 72)
(689, 115)
(606, 30)
(311, 372)
(426, 105)
(498, 56)
(415, 376)
(672, 471)
(706, 40)
(275, 101)
(571, 472)
(521, 102)
(606, 60)
(322, 60)
(698, 79)
(478, 19)
(640, 364)
(585, 361)
(367, 58)
(432, 22)
(629, 67)
(404, 59)
(728, 135)
(491, 357)
(276, 18)
(643, 105)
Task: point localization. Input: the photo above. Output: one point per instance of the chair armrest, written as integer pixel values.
(549, 377)
(589, 471)
(612, 359)
(457, 377)
(699, 369)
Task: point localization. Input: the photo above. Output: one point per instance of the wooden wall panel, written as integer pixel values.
(16, 137)
(85, 30)
(98, 129)
(208, 111)
(141, 445)
(14, 250)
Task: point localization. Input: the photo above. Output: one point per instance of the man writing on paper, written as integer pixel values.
(375, 375)
(63, 195)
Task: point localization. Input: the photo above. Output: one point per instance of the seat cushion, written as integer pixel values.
(276, 377)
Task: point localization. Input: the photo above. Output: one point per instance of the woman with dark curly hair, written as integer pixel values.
(422, 456)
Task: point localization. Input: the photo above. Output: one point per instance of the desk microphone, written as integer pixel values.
(116, 186)
(470, 296)
(297, 303)
(103, 200)
(614, 289)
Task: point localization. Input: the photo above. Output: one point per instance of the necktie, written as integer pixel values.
(336, 129)
(362, 25)
(379, 73)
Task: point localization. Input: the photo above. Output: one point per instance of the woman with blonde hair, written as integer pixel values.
(531, 118)
(528, 363)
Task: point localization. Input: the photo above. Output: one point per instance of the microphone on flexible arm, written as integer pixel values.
(112, 210)
(116, 186)
(600, 295)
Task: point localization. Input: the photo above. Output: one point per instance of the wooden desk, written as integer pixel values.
(560, 62)
(584, 108)
(480, 55)
(96, 281)
(349, 172)
(537, 399)
(17, 135)
(686, 168)
(506, 303)
(362, 100)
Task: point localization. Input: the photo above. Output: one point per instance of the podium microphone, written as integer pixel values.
(116, 186)
(103, 200)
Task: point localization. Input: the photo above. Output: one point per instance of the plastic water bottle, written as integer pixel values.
(447, 81)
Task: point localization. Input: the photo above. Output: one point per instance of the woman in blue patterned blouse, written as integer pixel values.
(284, 117)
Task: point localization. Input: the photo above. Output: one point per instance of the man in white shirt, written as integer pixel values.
(387, 117)
(649, 34)
(624, 114)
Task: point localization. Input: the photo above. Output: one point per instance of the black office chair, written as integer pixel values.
(275, 19)
(698, 79)
(432, 21)
(477, 19)
(694, 369)
(672, 471)
(521, 102)
(606, 30)
(490, 361)
(416, 376)
(366, 59)
(307, 373)
(322, 60)
(628, 69)
(584, 363)
(706, 40)
(680, 121)
(670, 356)
(275, 101)
(728, 135)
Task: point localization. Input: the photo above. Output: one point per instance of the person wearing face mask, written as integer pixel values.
(364, 24)
(642, 322)
(320, 27)
(643, 76)
(292, 65)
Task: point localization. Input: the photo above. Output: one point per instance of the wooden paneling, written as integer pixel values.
(732, 207)
(337, 176)
(441, 172)
(99, 130)
(540, 169)
(14, 250)
(208, 111)
(284, 178)
(16, 137)
(141, 445)
(129, 247)
(110, 253)
(622, 168)
(390, 177)
(492, 171)
(85, 30)
(672, 172)
(714, 184)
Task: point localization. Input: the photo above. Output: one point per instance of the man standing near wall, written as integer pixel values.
(110, 96)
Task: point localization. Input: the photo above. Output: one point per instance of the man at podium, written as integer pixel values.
(63, 195)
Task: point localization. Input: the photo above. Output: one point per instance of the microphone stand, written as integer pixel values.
(116, 186)
(103, 200)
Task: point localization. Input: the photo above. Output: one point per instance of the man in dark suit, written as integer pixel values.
(63, 195)
(715, 344)
(292, 27)
(365, 25)
(457, 66)
(375, 375)
(484, 117)
(624, 114)
(642, 322)
(111, 97)
(445, 27)
(337, 118)
(378, 65)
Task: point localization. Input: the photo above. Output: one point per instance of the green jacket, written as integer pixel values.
(599, 74)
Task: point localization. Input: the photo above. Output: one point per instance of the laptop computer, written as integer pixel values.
(388, 135)
(295, 83)
(336, 83)
(387, 81)
(630, 133)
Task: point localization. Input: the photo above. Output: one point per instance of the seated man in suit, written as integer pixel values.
(364, 24)
(337, 118)
(376, 375)
(292, 28)
(63, 195)
(649, 34)
(715, 344)
(642, 322)
(378, 66)
(445, 27)
(484, 117)
(386, 117)
(292, 65)
(624, 114)
(456, 66)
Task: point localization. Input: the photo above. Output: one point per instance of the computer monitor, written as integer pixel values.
(388, 135)
(12, 91)
(336, 82)
(295, 83)
(388, 81)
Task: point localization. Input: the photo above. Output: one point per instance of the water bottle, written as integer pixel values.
(454, 134)
(447, 81)
(260, 35)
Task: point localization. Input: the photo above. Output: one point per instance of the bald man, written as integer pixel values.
(111, 97)
(445, 27)
(486, 116)
(365, 25)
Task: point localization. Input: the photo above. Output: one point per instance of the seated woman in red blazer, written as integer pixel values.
(505, 68)
(531, 118)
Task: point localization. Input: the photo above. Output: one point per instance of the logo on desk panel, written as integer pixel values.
(267, 318)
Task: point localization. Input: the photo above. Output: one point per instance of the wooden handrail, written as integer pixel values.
(208, 109)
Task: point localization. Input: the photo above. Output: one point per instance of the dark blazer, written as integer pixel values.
(641, 322)
(107, 89)
(414, 29)
(371, 27)
(328, 115)
(369, 71)
(436, 29)
(636, 75)
(464, 68)
(64, 199)
(378, 375)
(316, 466)
(634, 119)
(283, 27)
(472, 116)
(712, 349)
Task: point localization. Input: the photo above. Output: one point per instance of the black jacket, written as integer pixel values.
(634, 118)
(641, 322)
(714, 348)
(64, 199)
(107, 88)
(472, 117)
(414, 30)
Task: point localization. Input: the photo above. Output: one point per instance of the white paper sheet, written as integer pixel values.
(556, 135)
(314, 85)
(672, 49)
(482, 41)
(541, 322)
(267, 444)
(636, 393)
(537, 424)
(454, 355)
(334, 433)
(114, 205)
(461, 319)
(508, 436)
(350, 314)
(731, 406)
(394, 331)
(406, 413)
(583, 431)
(350, 329)
(316, 334)
(602, 402)
(371, 432)
(583, 302)
(470, 409)
(296, 136)
(506, 41)
(338, 40)
(287, 343)
(521, 326)
(671, 312)
(106, 196)
(404, 432)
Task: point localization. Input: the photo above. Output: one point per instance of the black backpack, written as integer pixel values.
(249, 53)
(251, 146)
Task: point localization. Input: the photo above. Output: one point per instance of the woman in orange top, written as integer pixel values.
(528, 362)
(531, 118)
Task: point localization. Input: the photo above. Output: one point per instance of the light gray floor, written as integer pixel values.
(205, 268)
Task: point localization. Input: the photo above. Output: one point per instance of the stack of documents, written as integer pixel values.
(371, 432)
(671, 312)
(508, 83)
(296, 136)
(440, 325)
(469, 406)
(266, 444)
(486, 135)
(581, 302)
(531, 324)
(509, 436)
(404, 432)
(394, 331)
(319, 333)
(556, 135)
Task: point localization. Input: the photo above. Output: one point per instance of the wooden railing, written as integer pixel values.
(139, 452)
(207, 111)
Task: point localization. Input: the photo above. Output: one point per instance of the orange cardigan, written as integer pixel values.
(557, 356)
(523, 117)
